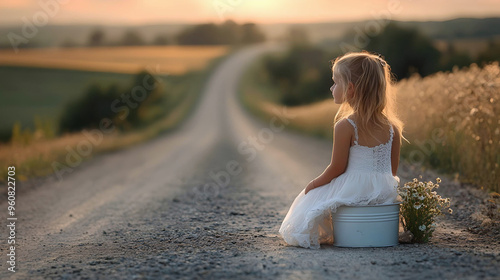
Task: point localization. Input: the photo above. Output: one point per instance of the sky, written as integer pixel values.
(132, 12)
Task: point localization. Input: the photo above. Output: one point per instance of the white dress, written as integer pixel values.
(368, 180)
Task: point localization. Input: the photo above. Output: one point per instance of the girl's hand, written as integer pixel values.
(309, 187)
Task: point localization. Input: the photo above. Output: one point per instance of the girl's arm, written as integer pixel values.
(396, 145)
(343, 132)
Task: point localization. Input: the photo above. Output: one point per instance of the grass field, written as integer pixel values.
(26, 92)
(452, 119)
(168, 59)
(36, 159)
(39, 82)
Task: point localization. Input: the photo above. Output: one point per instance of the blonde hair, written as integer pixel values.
(374, 99)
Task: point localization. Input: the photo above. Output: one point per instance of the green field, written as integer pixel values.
(29, 91)
(34, 158)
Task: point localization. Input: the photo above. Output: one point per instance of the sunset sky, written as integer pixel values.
(259, 11)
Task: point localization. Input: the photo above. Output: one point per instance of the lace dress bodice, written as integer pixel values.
(370, 159)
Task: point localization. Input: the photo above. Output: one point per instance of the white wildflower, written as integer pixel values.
(422, 227)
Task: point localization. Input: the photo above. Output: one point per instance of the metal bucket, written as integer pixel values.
(366, 226)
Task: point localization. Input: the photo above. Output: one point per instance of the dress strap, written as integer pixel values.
(392, 133)
(355, 131)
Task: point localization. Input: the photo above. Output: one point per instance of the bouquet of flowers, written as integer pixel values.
(421, 204)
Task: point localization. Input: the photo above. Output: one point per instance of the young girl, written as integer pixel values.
(365, 156)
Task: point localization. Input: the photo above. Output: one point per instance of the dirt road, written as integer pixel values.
(206, 202)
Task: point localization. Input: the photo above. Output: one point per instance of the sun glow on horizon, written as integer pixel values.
(258, 11)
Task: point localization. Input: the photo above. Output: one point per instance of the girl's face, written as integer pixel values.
(337, 92)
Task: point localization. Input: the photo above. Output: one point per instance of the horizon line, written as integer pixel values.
(83, 23)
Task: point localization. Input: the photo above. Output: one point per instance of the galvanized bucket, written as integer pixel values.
(366, 226)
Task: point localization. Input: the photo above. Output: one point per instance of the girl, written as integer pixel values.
(365, 156)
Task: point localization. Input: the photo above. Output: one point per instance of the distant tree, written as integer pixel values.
(146, 103)
(230, 32)
(202, 34)
(96, 38)
(132, 38)
(144, 84)
(302, 74)
(451, 57)
(87, 111)
(227, 33)
(298, 36)
(68, 43)
(492, 52)
(162, 40)
(251, 34)
(406, 50)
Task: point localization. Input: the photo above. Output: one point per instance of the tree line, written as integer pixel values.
(303, 74)
(226, 33)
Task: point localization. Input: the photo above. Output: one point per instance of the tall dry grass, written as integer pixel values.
(452, 121)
